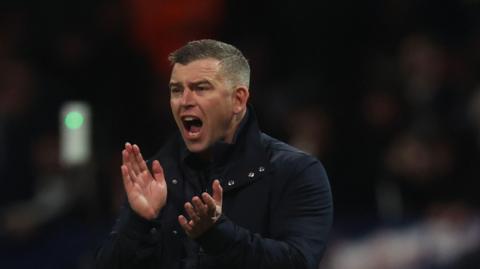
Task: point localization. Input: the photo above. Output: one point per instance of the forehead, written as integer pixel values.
(196, 70)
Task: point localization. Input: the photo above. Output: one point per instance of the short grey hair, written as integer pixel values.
(233, 64)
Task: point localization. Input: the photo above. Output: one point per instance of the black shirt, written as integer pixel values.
(200, 174)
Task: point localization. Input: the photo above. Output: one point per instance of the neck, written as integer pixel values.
(229, 137)
(233, 129)
(206, 155)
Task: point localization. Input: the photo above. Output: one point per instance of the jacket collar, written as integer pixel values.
(220, 150)
(243, 162)
(248, 161)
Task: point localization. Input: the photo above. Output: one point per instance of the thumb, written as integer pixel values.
(157, 171)
(217, 192)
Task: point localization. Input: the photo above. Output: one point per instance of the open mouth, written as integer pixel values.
(192, 125)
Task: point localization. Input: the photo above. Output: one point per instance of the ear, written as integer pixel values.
(240, 98)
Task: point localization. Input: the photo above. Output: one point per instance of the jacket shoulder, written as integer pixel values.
(283, 155)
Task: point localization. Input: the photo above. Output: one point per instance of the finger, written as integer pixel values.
(184, 224)
(217, 192)
(210, 203)
(191, 213)
(132, 159)
(128, 146)
(133, 177)
(158, 171)
(127, 161)
(139, 158)
(127, 181)
(124, 156)
(200, 207)
(134, 163)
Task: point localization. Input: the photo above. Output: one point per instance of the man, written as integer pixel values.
(221, 194)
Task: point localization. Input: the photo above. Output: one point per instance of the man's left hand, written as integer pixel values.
(203, 212)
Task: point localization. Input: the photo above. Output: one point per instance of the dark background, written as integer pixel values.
(385, 93)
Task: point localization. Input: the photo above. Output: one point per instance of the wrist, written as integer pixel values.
(219, 237)
(148, 214)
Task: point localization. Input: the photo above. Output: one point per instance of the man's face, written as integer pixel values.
(202, 104)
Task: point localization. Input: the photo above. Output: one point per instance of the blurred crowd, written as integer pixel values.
(385, 93)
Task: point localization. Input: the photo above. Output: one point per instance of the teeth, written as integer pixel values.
(189, 118)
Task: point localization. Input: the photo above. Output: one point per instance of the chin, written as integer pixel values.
(196, 147)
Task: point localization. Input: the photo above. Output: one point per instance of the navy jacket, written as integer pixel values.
(277, 211)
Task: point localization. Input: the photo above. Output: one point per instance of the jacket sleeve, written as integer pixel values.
(299, 227)
(133, 243)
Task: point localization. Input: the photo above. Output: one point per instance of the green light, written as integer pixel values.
(74, 120)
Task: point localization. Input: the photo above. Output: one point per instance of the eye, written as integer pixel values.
(175, 90)
(202, 87)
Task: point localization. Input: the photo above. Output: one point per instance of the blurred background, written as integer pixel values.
(385, 93)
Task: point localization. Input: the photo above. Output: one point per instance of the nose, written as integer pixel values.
(187, 98)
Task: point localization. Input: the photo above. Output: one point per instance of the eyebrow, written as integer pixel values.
(174, 84)
(203, 81)
(196, 83)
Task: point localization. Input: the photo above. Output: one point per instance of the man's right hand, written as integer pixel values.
(147, 194)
